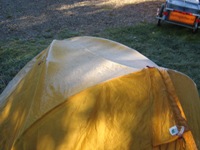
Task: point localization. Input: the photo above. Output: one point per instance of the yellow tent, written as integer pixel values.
(88, 93)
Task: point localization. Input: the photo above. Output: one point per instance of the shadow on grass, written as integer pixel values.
(30, 19)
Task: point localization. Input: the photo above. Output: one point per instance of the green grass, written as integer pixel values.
(168, 46)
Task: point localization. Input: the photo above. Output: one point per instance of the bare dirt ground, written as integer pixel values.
(31, 18)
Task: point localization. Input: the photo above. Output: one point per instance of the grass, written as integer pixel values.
(168, 46)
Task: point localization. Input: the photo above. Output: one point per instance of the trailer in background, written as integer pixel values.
(180, 12)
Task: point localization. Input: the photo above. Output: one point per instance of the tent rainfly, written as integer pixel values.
(88, 93)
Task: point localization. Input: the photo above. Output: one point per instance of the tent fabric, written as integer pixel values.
(93, 93)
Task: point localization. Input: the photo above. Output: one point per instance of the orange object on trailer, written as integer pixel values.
(182, 17)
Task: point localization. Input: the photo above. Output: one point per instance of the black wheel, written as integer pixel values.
(159, 22)
(195, 29)
(160, 14)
